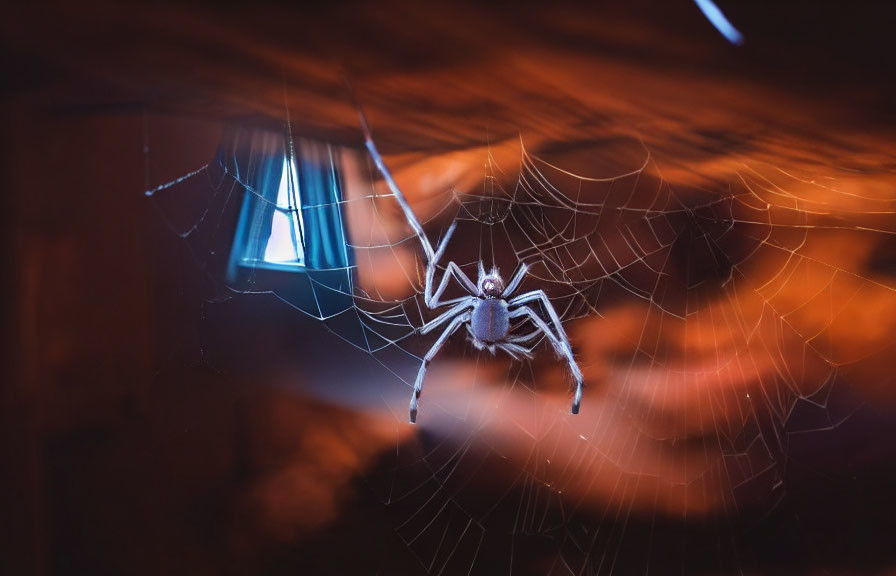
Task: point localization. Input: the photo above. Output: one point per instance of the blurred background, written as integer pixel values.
(151, 425)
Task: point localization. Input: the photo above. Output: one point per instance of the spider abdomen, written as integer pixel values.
(490, 321)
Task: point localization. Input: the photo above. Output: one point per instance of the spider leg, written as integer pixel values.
(560, 343)
(560, 347)
(516, 280)
(393, 186)
(418, 384)
(515, 351)
(445, 316)
(540, 296)
(452, 269)
(523, 338)
(432, 256)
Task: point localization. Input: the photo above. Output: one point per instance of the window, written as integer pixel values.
(291, 217)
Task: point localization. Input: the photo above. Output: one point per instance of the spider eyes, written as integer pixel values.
(491, 287)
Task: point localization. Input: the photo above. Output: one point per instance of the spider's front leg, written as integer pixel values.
(515, 281)
(432, 298)
(560, 340)
(432, 256)
(418, 384)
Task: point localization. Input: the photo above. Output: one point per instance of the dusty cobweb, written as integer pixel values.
(705, 318)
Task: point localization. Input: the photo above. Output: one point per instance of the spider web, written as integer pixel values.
(704, 318)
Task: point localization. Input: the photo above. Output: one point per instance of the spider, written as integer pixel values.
(488, 309)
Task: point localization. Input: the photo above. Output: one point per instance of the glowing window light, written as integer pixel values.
(285, 245)
(290, 219)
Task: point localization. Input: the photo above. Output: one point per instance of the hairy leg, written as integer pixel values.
(561, 346)
(465, 303)
(515, 351)
(540, 296)
(418, 384)
(515, 281)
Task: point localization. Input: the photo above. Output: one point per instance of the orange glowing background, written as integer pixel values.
(763, 413)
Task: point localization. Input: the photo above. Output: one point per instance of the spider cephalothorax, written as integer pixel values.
(490, 285)
(492, 315)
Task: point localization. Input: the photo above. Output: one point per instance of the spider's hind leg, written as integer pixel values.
(421, 373)
(559, 342)
(516, 351)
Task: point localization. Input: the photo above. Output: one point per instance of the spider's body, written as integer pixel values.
(490, 312)
(489, 322)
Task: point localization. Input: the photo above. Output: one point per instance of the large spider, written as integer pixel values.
(489, 308)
